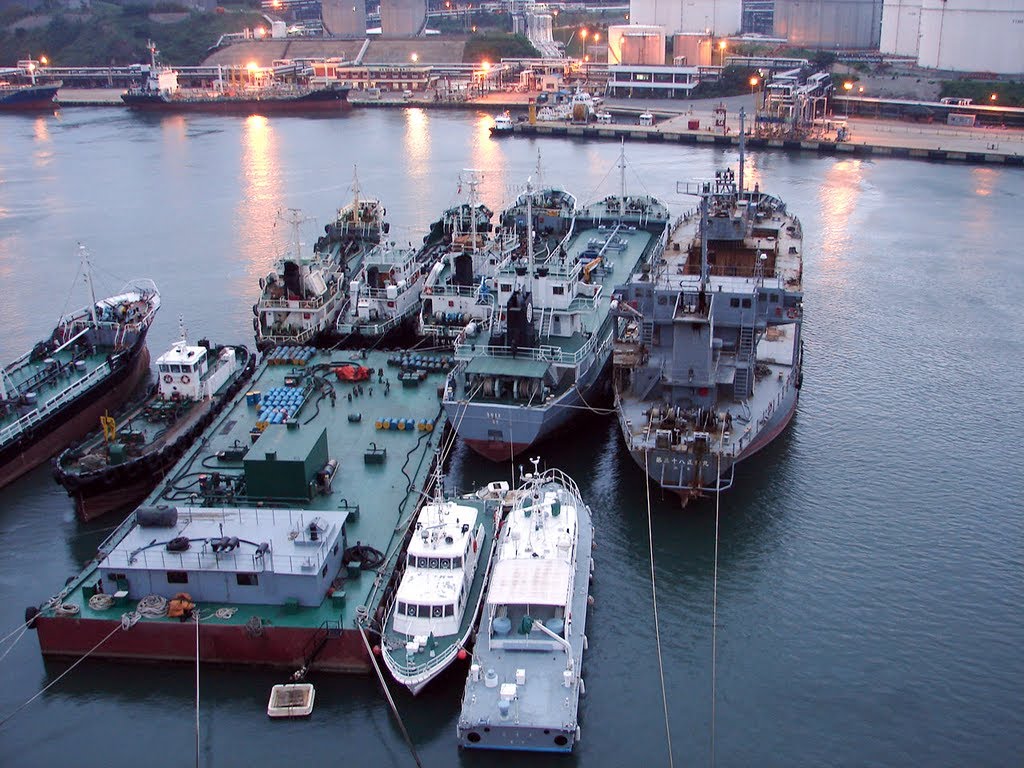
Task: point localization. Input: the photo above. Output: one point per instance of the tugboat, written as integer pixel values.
(438, 598)
(118, 467)
(300, 299)
(256, 93)
(543, 356)
(93, 361)
(708, 360)
(524, 684)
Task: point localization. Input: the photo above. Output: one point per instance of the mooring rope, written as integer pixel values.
(654, 597)
(387, 694)
(714, 614)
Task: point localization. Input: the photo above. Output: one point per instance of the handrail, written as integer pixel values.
(292, 303)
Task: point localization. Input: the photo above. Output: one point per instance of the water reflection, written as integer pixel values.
(418, 173)
(839, 196)
(261, 196)
(43, 153)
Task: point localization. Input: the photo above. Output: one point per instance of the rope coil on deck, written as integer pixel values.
(152, 607)
(225, 613)
(101, 602)
(66, 609)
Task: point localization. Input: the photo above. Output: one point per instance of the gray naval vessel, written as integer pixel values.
(708, 354)
(524, 684)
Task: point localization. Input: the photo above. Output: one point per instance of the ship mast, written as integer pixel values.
(742, 150)
(87, 268)
(529, 222)
(474, 182)
(622, 180)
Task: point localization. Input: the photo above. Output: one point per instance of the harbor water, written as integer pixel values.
(870, 563)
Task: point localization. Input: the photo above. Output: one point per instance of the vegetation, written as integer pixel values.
(115, 35)
(497, 46)
(1008, 94)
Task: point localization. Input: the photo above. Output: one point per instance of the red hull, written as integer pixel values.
(497, 451)
(78, 426)
(162, 641)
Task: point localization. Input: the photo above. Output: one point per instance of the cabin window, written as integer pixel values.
(558, 290)
(773, 298)
(434, 562)
(456, 562)
(247, 579)
(437, 611)
(734, 303)
(401, 608)
(335, 550)
(117, 576)
(177, 577)
(412, 561)
(746, 303)
(449, 610)
(506, 288)
(446, 562)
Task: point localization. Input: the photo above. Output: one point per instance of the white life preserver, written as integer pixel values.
(185, 379)
(167, 378)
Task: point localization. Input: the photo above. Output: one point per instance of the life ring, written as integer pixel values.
(778, 311)
(168, 378)
(185, 379)
(792, 313)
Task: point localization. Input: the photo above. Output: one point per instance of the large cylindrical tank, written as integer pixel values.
(636, 44)
(901, 25)
(402, 18)
(972, 35)
(829, 23)
(692, 49)
(717, 17)
(343, 17)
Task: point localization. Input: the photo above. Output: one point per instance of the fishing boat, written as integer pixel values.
(503, 125)
(541, 360)
(255, 91)
(458, 289)
(93, 361)
(524, 684)
(708, 360)
(442, 575)
(301, 297)
(278, 529)
(117, 467)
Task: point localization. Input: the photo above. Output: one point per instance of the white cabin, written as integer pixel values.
(186, 373)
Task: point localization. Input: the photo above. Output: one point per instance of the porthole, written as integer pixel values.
(473, 737)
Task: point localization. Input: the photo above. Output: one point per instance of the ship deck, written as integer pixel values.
(377, 496)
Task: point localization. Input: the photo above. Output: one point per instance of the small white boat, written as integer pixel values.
(291, 700)
(502, 125)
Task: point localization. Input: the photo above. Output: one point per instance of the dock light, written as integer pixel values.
(597, 37)
(415, 57)
(43, 60)
(721, 45)
(474, 28)
(847, 86)
(861, 89)
(753, 82)
(485, 65)
(260, 31)
(994, 97)
(252, 66)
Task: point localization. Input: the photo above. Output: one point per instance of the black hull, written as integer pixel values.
(324, 99)
(126, 485)
(77, 417)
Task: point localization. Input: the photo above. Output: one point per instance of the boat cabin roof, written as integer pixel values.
(182, 354)
(534, 581)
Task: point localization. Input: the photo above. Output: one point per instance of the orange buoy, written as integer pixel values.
(376, 650)
(462, 654)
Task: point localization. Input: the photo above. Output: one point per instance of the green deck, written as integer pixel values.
(378, 490)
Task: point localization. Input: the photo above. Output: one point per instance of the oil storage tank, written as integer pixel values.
(972, 35)
(344, 18)
(829, 23)
(716, 17)
(402, 18)
(636, 44)
(901, 27)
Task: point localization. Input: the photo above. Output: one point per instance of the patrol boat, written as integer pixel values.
(542, 358)
(525, 681)
(117, 466)
(708, 351)
(442, 575)
(93, 361)
(300, 298)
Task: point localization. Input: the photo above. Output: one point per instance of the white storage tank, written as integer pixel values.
(636, 44)
(343, 17)
(693, 47)
(717, 17)
(402, 18)
(901, 27)
(829, 23)
(972, 35)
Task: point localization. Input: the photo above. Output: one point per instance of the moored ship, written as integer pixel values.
(301, 297)
(543, 356)
(441, 581)
(257, 92)
(93, 361)
(119, 466)
(22, 92)
(709, 352)
(523, 687)
(277, 530)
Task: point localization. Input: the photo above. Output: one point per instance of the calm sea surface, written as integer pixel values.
(871, 563)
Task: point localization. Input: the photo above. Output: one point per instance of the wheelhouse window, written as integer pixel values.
(401, 608)
(247, 579)
(449, 610)
(456, 562)
(177, 577)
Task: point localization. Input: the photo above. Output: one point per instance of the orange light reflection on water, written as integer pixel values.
(43, 154)
(985, 182)
(489, 157)
(416, 146)
(261, 240)
(840, 196)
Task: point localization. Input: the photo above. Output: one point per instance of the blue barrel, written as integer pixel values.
(252, 398)
(393, 424)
